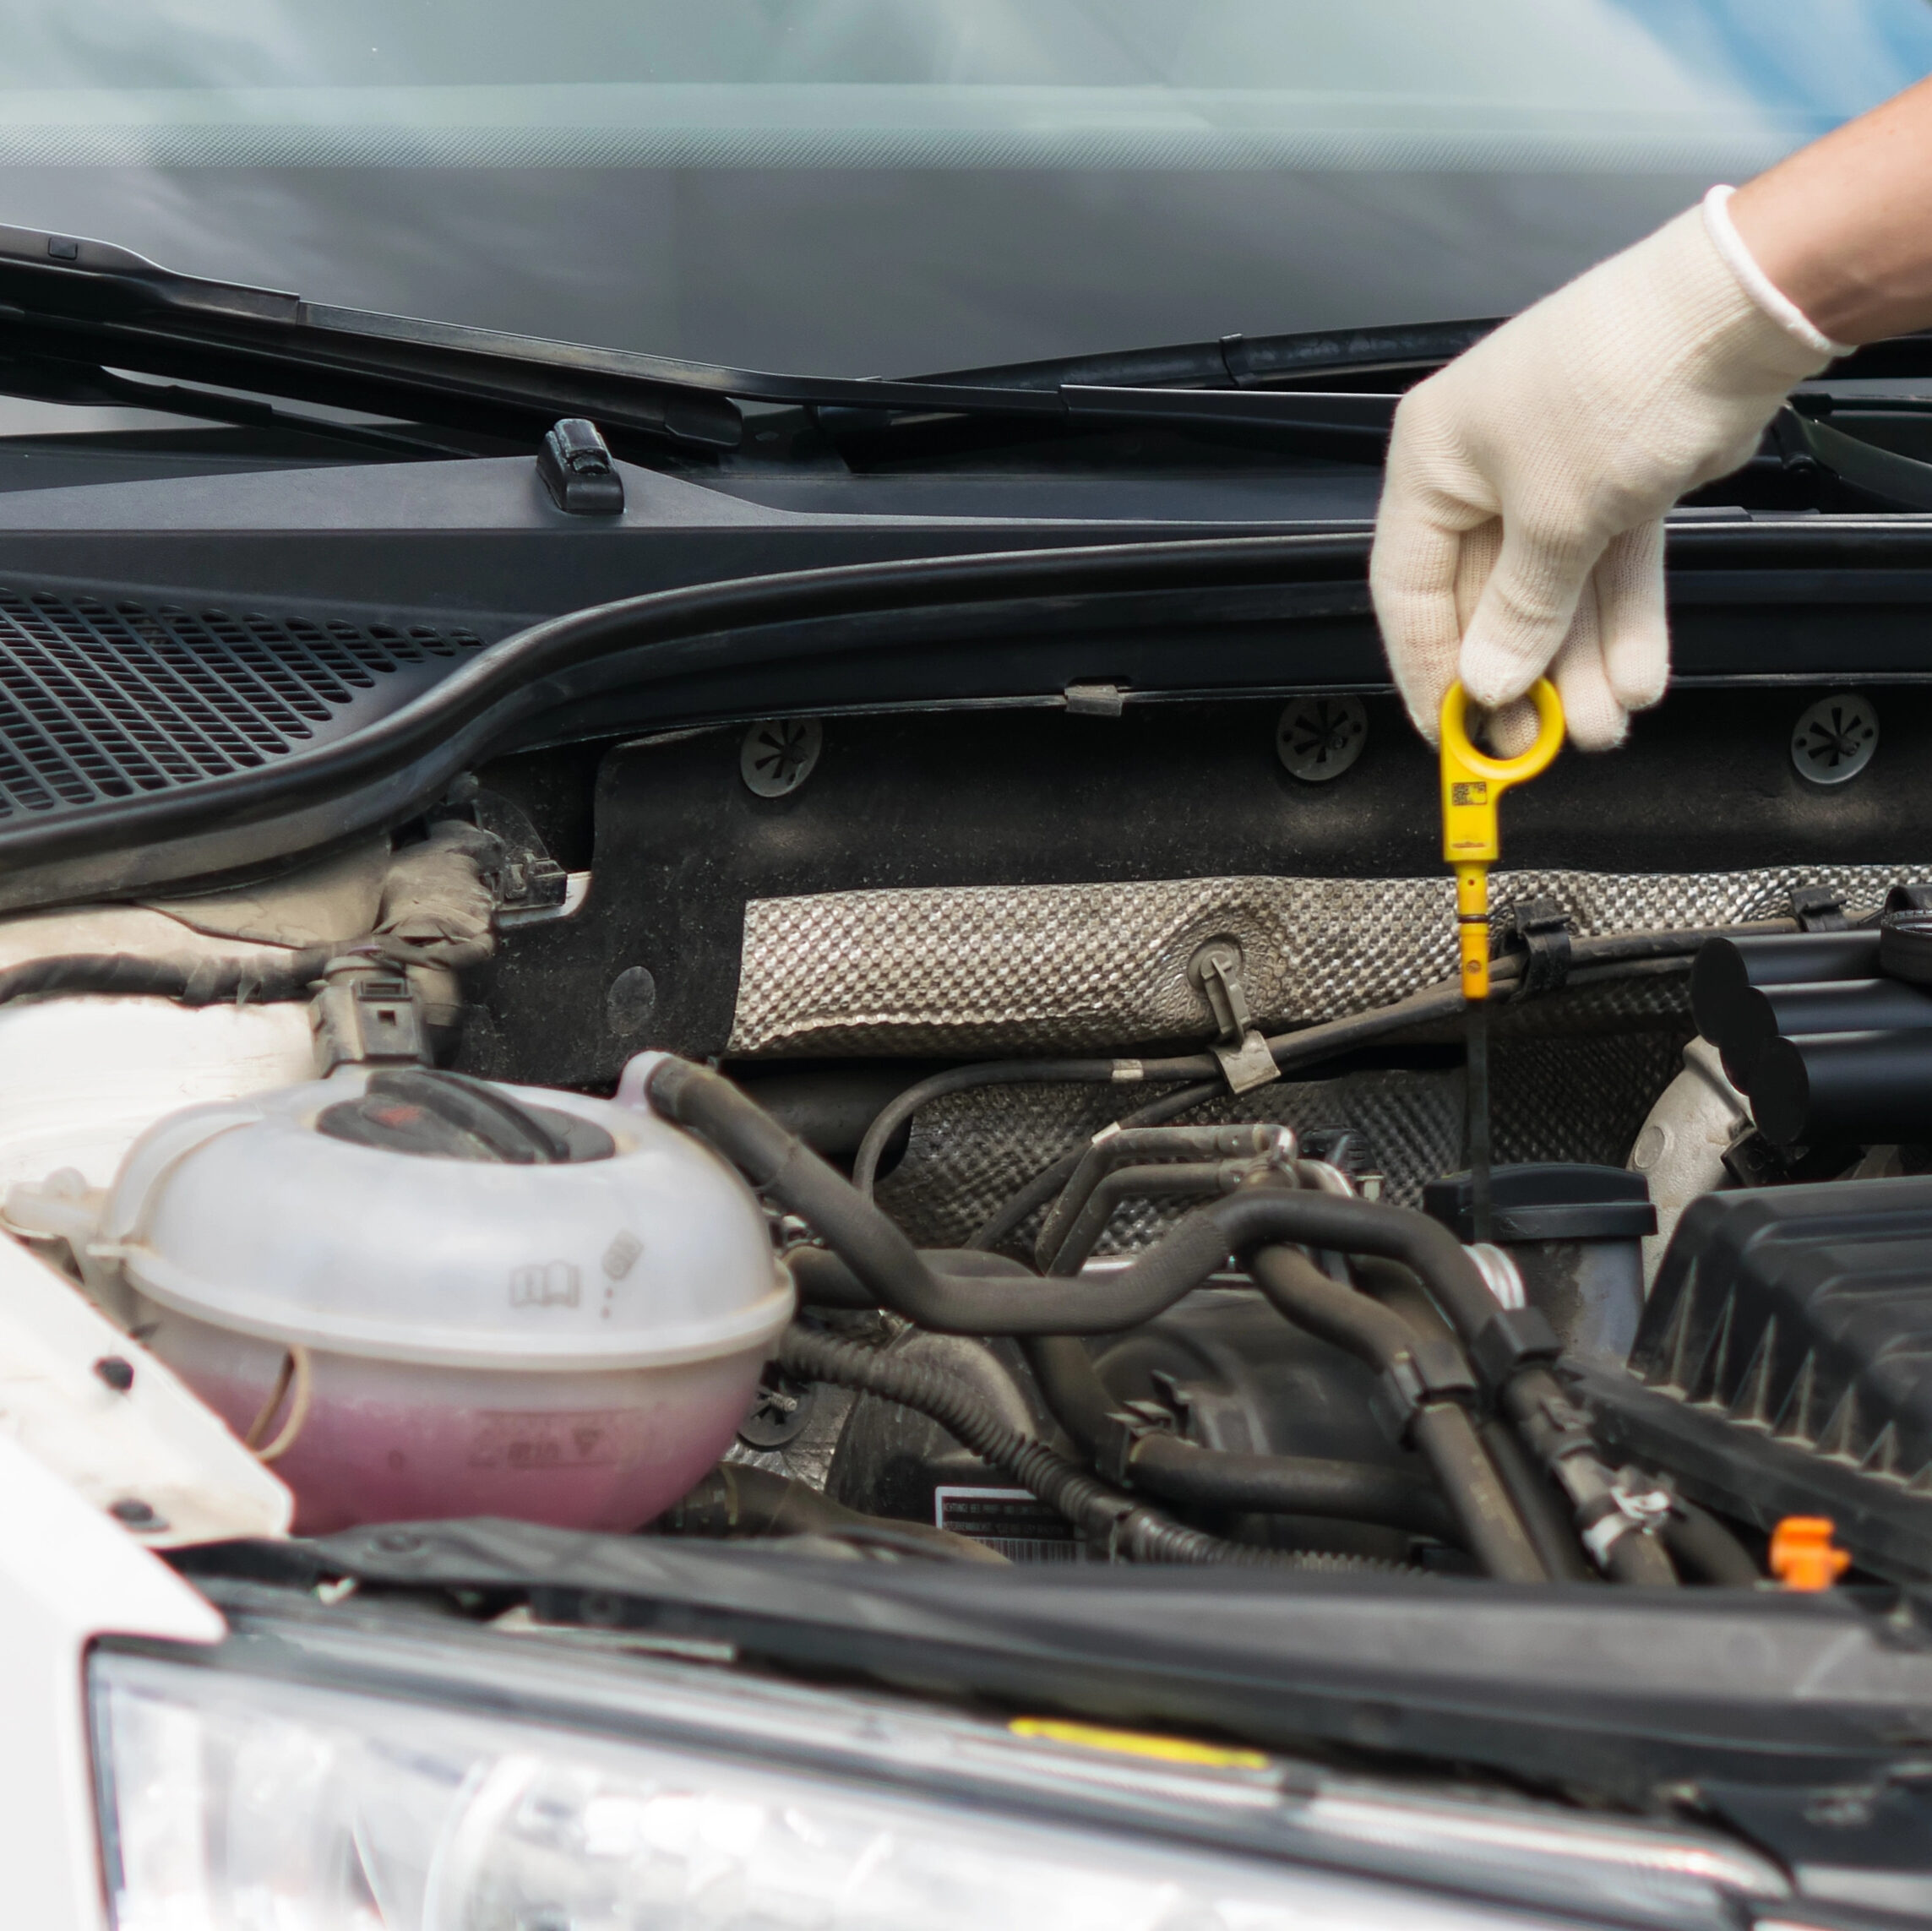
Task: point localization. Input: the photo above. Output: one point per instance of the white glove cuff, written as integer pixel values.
(1759, 285)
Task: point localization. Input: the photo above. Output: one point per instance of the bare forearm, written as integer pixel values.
(1844, 226)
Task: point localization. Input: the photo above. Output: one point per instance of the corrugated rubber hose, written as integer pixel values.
(1118, 1521)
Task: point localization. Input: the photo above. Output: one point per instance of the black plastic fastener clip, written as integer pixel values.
(1512, 1338)
(1123, 1431)
(1818, 908)
(1539, 930)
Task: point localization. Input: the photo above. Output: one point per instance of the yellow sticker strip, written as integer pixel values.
(1137, 1743)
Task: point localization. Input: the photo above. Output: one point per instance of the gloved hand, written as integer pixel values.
(1520, 530)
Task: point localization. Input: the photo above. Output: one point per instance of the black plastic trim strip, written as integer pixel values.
(867, 632)
(314, 799)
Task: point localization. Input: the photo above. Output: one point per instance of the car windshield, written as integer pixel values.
(884, 186)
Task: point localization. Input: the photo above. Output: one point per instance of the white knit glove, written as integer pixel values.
(1520, 527)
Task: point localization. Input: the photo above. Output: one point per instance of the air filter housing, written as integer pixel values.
(1801, 1318)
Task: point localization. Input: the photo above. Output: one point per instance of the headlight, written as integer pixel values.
(241, 1803)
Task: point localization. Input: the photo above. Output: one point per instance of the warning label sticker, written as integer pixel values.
(1011, 1521)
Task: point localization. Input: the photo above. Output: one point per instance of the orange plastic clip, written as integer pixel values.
(1803, 1555)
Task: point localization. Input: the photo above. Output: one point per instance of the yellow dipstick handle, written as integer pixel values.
(1473, 782)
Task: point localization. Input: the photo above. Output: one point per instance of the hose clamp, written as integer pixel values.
(1622, 1509)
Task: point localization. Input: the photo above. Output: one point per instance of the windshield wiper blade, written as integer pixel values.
(1345, 425)
(1350, 416)
(1241, 362)
(72, 300)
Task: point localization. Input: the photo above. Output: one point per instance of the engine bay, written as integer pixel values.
(1093, 1074)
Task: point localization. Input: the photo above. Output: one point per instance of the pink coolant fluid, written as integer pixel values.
(392, 1442)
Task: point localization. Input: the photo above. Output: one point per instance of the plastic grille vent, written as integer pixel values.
(101, 701)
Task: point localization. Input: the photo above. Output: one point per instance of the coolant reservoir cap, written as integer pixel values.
(443, 1116)
(411, 1216)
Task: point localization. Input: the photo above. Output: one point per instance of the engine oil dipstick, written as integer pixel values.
(1472, 784)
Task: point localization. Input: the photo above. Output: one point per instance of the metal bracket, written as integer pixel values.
(1215, 973)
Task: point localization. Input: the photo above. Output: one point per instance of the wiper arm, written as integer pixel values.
(63, 298)
(69, 300)
(81, 385)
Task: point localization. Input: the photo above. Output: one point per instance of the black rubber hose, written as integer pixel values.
(1134, 1146)
(874, 1247)
(1291, 1485)
(193, 982)
(878, 1252)
(823, 1280)
(1544, 1512)
(1179, 1471)
(1016, 1073)
(1102, 1513)
(1704, 1547)
(1333, 1221)
(1349, 1321)
(1188, 1178)
(1638, 1558)
(1537, 1503)
(885, 1260)
(1440, 1425)
(1556, 1432)
(1042, 1188)
(737, 1499)
(1492, 1530)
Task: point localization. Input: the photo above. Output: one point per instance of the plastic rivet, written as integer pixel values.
(1318, 737)
(778, 755)
(1834, 739)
